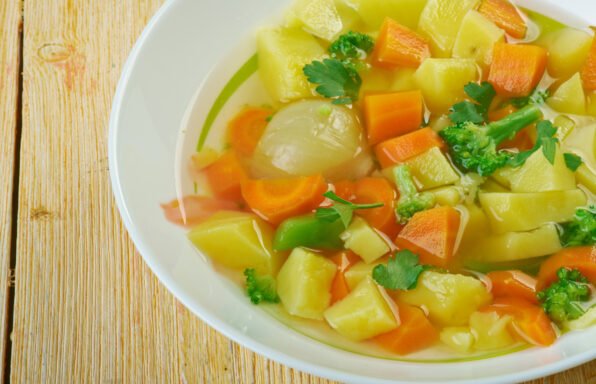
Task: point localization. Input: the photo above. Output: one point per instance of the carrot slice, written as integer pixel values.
(278, 199)
(513, 284)
(413, 334)
(398, 45)
(246, 128)
(505, 15)
(516, 69)
(432, 235)
(346, 189)
(402, 148)
(589, 69)
(378, 190)
(523, 140)
(580, 258)
(339, 287)
(225, 176)
(529, 320)
(392, 114)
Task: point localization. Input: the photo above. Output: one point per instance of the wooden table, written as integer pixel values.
(78, 304)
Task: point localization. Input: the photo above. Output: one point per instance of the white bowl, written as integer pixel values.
(185, 56)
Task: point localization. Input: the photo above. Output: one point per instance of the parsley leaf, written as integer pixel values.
(572, 161)
(343, 211)
(401, 272)
(483, 95)
(336, 80)
(351, 45)
(546, 140)
(538, 96)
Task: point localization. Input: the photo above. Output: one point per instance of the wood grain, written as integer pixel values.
(10, 23)
(87, 309)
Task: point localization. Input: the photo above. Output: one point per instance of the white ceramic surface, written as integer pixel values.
(168, 70)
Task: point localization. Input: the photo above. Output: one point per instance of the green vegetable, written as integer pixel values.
(561, 300)
(260, 288)
(343, 211)
(473, 147)
(545, 139)
(572, 161)
(410, 200)
(466, 111)
(337, 80)
(537, 97)
(310, 232)
(581, 230)
(401, 272)
(352, 45)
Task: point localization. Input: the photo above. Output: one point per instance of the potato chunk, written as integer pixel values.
(539, 175)
(568, 49)
(490, 330)
(569, 97)
(318, 17)
(364, 241)
(449, 298)
(432, 170)
(363, 314)
(476, 38)
(459, 338)
(373, 12)
(304, 282)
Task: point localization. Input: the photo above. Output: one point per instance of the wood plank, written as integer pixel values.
(10, 34)
(87, 309)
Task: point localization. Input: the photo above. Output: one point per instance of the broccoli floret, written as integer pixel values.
(581, 230)
(561, 300)
(260, 288)
(473, 147)
(410, 200)
(352, 45)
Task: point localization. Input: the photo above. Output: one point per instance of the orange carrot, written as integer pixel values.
(413, 334)
(516, 69)
(192, 210)
(345, 189)
(339, 287)
(225, 176)
(589, 69)
(392, 114)
(278, 199)
(246, 129)
(402, 148)
(513, 284)
(378, 190)
(398, 45)
(529, 320)
(432, 235)
(523, 140)
(505, 15)
(580, 258)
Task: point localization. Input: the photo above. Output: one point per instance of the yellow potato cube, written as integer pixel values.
(364, 241)
(587, 178)
(476, 38)
(459, 338)
(490, 330)
(373, 12)
(567, 48)
(318, 17)
(539, 175)
(432, 170)
(358, 272)
(569, 97)
(450, 196)
(582, 141)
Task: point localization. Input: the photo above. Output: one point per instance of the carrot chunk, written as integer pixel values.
(516, 69)
(225, 176)
(402, 148)
(505, 15)
(246, 128)
(392, 114)
(513, 284)
(339, 287)
(413, 334)
(378, 190)
(278, 199)
(432, 235)
(398, 45)
(580, 258)
(346, 189)
(589, 69)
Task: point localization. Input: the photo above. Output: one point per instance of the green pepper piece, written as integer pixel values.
(308, 231)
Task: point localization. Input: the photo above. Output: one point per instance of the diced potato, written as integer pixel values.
(515, 212)
(405, 12)
(459, 338)
(304, 282)
(363, 314)
(567, 48)
(582, 141)
(588, 319)
(476, 226)
(364, 241)
(317, 17)
(349, 17)
(432, 170)
(442, 81)
(539, 175)
(450, 196)
(449, 298)
(476, 38)
(564, 125)
(544, 23)
(283, 53)
(503, 176)
(587, 178)
(490, 330)
(376, 80)
(440, 21)
(403, 80)
(237, 240)
(491, 185)
(512, 246)
(356, 273)
(569, 97)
